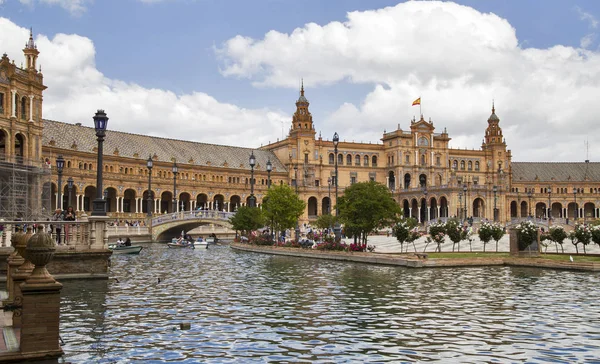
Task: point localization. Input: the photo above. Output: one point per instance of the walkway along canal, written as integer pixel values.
(244, 306)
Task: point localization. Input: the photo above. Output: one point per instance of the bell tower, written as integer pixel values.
(493, 133)
(31, 53)
(302, 124)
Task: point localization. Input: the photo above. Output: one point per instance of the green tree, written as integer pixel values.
(247, 219)
(558, 235)
(325, 221)
(437, 231)
(403, 231)
(455, 231)
(486, 233)
(282, 207)
(497, 233)
(366, 206)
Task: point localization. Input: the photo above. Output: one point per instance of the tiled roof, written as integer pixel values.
(555, 172)
(66, 135)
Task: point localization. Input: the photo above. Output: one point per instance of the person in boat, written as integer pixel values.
(199, 239)
(120, 242)
(127, 242)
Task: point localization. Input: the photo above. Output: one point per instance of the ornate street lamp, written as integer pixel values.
(576, 208)
(252, 162)
(549, 213)
(70, 187)
(269, 169)
(60, 165)
(296, 183)
(329, 194)
(460, 213)
(465, 193)
(175, 171)
(337, 230)
(149, 207)
(100, 124)
(529, 193)
(426, 208)
(495, 189)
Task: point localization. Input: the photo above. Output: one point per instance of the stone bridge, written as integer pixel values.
(172, 224)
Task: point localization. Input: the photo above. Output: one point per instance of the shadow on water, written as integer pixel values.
(246, 307)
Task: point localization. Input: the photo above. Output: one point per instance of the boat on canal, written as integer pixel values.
(179, 243)
(132, 249)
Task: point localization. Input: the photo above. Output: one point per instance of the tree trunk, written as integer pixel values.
(584, 252)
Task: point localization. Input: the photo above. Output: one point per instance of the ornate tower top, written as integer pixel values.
(302, 120)
(493, 133)
(31, 52)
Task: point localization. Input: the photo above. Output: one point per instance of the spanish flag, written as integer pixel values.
(417, 102)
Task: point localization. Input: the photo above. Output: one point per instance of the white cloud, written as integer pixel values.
(75, 7)
(589, 18)
(76, 89)
(457, 58)
(587, 40)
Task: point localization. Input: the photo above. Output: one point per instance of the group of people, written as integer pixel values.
(127, 242)
(57, 228)
(134, 223)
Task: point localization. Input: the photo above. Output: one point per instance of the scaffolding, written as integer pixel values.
(25, 189)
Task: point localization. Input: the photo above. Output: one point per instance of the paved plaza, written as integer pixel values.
(385, 244)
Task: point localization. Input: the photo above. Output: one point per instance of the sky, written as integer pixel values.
(228, 71)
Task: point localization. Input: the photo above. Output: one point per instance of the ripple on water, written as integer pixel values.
(246, 307)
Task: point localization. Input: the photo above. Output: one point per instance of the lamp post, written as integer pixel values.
(329, 194)
(269, 169)
(70, 187)
(465, 193)
(576, 209)
(495, 189)
(337, 230)
(100, 124)
(529, 205)
(426, 208)
(252, 162)
(175, 171)
(297, 231)
(460, 213)
(549, 213)
(149, 165)
(60, 164)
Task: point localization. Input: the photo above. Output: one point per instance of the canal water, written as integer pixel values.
(248, 307)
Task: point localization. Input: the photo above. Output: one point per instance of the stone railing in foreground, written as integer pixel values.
(82, 252)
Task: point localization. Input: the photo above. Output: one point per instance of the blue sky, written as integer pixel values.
(181, 48)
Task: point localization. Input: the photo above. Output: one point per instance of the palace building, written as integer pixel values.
(426, 177)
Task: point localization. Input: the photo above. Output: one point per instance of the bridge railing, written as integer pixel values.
(72, 233)
(191, 215)
(127, 230)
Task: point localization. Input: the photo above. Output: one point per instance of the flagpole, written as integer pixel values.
(420, 102)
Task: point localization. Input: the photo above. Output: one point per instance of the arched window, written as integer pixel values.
(470, 166)
(476, 166)
(340, 159)
(357, 160)
(24, 108)
(455, 164)
(349, 159)
(366, 160)
(422, 159)
(80, 165)
(331, 158)
(462, 165)
(374, 161)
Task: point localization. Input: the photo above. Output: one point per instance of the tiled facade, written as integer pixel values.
(426, 177)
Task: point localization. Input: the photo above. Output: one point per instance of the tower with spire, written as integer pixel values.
(302, 124)
(494, 144)
(31, 53)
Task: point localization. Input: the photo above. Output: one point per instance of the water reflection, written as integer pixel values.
(247, 307)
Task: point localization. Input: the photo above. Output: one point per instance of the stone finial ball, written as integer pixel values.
(22, 242)
(40, 248)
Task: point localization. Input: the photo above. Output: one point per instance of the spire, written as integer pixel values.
(30, 44)
(302, 88)
(30, 51)
(493, 108)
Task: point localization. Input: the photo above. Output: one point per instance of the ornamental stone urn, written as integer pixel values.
(40, 250)
(26, 267)
(13, 242)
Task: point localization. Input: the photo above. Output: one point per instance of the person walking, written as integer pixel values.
(69, 215)
(58, 216)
